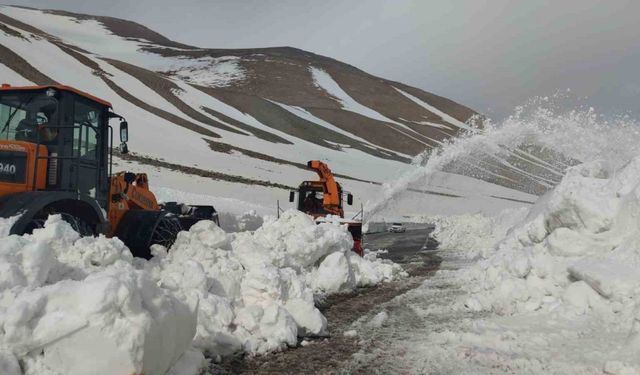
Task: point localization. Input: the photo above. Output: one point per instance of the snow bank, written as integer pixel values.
(584, 232)
(77, 305)
(474, 234)
(256, 288)
(83, 305)
(565, 273)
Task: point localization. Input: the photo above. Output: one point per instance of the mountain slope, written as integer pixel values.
(255, 81)
(247, 116)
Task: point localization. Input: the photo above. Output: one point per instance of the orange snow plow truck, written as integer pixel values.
(56, 151)
(324, 197)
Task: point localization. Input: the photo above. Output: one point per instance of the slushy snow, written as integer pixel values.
(71, 305)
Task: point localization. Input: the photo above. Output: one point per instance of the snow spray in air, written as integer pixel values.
(528, 151)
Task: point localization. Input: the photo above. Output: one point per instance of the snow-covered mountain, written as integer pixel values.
(251, 116)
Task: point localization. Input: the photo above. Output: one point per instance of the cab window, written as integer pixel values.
(85, 131)
(10, 117)
(311, 201)
(28, 117)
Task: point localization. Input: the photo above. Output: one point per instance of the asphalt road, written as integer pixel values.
(402, 247)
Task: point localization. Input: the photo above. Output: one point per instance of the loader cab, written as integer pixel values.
(54, 138)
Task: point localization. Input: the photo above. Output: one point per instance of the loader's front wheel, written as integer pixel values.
(141, 229)
(78, 224)
(166, 231)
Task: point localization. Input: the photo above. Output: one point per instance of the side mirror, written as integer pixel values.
(292, 196)
(123, 148)
(349, 199)
(124, 132)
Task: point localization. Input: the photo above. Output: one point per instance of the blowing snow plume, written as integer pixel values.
(528, 151)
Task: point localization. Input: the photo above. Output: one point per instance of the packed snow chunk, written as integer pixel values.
(473, 304)
(9, 364)
(267, 329)
(309, 319)
(370, 270)
(37, 262)
(333, 275)
(464, 232)
(210, 247)
(215, 317)
(203, 234)
(192, 362)
(55, 253)
(581, 296)
(350, 333)
(24, 263)
(297, 241)
(378, 320)
(611, 278)
(473, 235)
(200, 268)
(115, 321)
(582, 200)
(96, 252)
(566, 242)
(267, 284)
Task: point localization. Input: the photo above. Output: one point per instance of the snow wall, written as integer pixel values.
(558, 279)
(71, 305)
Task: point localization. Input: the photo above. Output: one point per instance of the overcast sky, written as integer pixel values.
(489, 55)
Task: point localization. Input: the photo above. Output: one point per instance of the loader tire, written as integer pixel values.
(166, 231)
(141, 229)
(78, 224)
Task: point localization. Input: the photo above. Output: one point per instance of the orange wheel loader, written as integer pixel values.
(56, 158)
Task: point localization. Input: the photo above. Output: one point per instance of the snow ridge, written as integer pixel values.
(65, 300)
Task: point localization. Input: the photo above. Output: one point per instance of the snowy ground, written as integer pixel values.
(429, 330)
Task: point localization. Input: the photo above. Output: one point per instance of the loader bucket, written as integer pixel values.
(190, 214)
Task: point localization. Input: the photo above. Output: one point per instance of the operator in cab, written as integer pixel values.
(38, 123)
